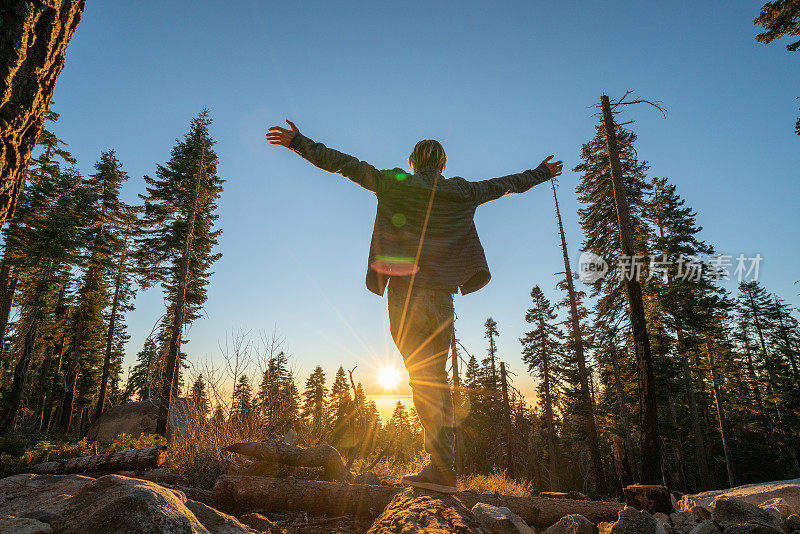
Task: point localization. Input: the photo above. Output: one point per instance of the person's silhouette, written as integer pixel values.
(425, 248)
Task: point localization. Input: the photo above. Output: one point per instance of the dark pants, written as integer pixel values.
(422, 328)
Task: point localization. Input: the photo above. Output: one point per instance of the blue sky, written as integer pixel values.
(500, 84)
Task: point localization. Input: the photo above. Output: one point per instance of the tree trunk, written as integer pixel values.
(621, 461)
(720, 414)
(551, 433)
(506, 420)
(32, 47)
(172, 368)
(56, 389)
(699, 443)
(40, 392)
(587, 410)
(20, 375)
(623, 408)
(458, 409)
(751, 372)
(112, 325)
(677, 444)
(131, 460)
(8, 286)
(239, 493)
(650, 440)
(71, 374)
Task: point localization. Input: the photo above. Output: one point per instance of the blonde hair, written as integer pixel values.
(427, 153)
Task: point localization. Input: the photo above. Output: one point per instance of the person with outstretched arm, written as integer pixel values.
(425, 248)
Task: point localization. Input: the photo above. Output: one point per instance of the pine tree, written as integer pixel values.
(598, 217)
(314, 406)
(400, 433)
(55, 208)
(144, 379)
(341, 409)
(242, 400)
(542, 351)
(199, 397)
(90, 352)
(177, 248)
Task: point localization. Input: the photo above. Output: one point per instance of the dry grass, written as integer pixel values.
(498, 481)
(201, 457)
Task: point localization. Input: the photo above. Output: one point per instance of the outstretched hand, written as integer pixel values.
(554, 166)
(281, 136)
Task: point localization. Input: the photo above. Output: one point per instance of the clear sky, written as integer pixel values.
(500, 84)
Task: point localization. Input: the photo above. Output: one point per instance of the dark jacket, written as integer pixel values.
(441, 210)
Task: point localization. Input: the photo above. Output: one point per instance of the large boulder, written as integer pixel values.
(633, 521)
(729, 512)
(132, 506)
(414, 511)
(788, 490)
(572, 524)
(137, 418)
(23, 525)
(500, 520)
(215, 521)
(38, 496)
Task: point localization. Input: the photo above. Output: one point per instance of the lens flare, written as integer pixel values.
(389, 377)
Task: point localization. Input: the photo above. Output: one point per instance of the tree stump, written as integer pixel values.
(416, 510)
(651, 498)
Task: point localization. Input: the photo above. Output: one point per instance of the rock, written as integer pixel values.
(633, 521)
(23, 525)
(215, 521)
(257, 521)
(604, 527)
(38, 496)
(706, 527)
(788, 490)
(651, 498)
(137, 418)
(751, 528)
(572, 524)
(679, 518)
(793, 522)
(701, 512)
(417, 511)
(500, 520)
(130, 505)
(729, 511)
(780, 505)
(664, 520)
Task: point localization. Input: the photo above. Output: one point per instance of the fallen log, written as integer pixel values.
(131, 460)
(276, 452)
(238, 494)
(433, 512)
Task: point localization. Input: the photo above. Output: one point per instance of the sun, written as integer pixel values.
(389, 377)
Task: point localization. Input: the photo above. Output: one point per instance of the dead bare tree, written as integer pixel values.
(648, 409)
